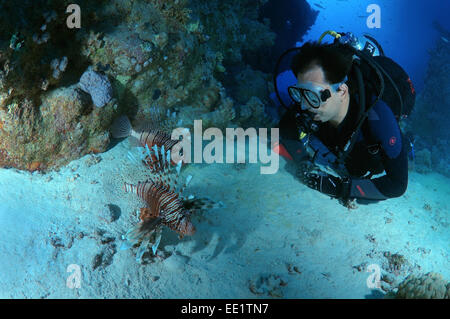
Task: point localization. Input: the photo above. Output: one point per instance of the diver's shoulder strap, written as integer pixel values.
(373, 145)
(362, 114)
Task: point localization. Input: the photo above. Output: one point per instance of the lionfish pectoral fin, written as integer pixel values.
(157, 241)
(140, 232)
(131, 238)
(142, 249)
(150, 224)
(155, 238)
(207, 203)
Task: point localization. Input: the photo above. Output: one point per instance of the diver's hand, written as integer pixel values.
(327, 184)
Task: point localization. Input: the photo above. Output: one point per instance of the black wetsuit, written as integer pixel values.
(379, 147)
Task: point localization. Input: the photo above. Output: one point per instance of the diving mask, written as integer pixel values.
(314, 94)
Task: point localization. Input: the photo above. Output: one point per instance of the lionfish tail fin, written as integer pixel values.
(121, 127)
(201, 204)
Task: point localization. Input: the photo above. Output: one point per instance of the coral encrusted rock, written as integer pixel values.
(64, 127)
(429, 286)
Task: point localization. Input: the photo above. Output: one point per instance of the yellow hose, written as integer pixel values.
(330, 32)
(302, 135)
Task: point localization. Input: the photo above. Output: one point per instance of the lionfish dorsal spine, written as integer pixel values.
(157, 241)
(178, 167)
(188, 180)
(168, 158)
(163, 156)
(147, 150)
(155, 149)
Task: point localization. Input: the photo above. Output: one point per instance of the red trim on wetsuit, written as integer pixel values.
(281, 150)
(360, 190)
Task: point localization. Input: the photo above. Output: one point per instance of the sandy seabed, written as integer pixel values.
(275, 238)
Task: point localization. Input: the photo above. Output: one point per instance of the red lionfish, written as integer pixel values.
(162, 194)
(148, 136)
(165, 205)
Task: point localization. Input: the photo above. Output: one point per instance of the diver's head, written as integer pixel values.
(321, 71)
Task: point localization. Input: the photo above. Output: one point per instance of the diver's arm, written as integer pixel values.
(376, 189)
(391, 185)
(364, 189)
(384, 128)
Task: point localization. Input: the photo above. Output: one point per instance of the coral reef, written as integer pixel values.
(64, 126)
(175, 57)
(428, 286)
(429, 119)
(233, 25)
(396, 262)
(45, 122)
(253, 106)
(251, 83)
(174, 53)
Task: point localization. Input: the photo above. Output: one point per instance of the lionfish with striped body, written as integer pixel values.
(162, 193)
(164, 205)
(147, 136)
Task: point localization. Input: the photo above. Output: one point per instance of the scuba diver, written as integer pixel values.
(343, 102)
